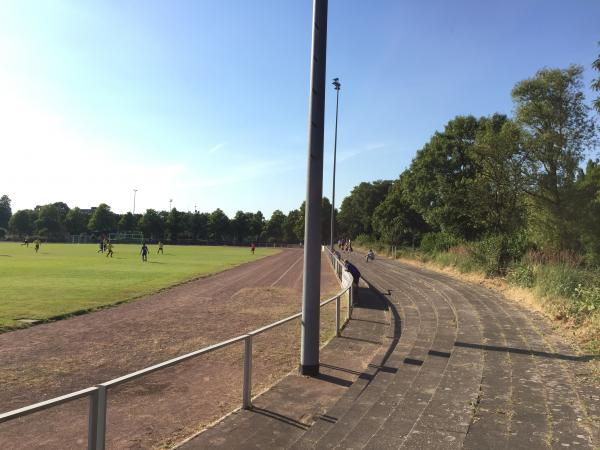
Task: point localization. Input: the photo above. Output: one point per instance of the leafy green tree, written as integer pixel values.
(274, 228)
(439, 178)
(76, 221)
(48, 221)
(325, 221)
(588, 204)
(394, 220)
(557, 133)
(596, 82)
(174, 223)
(292, 222)
(199, 225)
(257, 224)
(5, 213)
(357, 209)
(102, 219)
(152, 224)
(218, 225)
(22, 222)
(495, 194)
(127, 222)
(240, 226)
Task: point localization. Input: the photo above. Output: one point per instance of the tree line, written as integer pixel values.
(57, 222)
(513, 182)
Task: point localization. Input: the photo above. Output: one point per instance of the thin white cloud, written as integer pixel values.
(375, 146)
(217, 147)
(349, 154)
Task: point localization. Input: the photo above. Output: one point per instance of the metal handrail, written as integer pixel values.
(98, 394)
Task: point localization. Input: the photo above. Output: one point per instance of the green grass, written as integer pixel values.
(64, 279)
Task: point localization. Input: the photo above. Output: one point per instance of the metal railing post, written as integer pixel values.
(100, 417)
(93, 421)
(247, 389)
(337, 315)
(350, 301)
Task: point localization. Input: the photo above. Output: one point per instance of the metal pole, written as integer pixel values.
(101, 418)
(134, 192)
(337, 315)
(309, 351)
(337, 85)
(247, 387)
(93, 421)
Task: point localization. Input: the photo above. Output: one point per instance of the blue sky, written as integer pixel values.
(206, 102)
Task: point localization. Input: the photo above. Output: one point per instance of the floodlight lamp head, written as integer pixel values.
(336, 83)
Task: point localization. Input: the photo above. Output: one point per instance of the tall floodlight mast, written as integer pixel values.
(309, 351)
(134, 192)
(336, 85)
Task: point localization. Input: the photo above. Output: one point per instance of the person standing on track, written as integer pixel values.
(144, 252)
(253, 248)
(160, 248)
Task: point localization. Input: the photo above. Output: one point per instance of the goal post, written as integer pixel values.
(127, 236)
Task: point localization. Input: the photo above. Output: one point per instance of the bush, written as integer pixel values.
(439, 242)
(521, 275)
(495, 253)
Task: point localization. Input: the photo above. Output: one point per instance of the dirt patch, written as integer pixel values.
(53, 359)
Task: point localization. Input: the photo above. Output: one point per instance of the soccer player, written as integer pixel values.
(37, 243)
(109, 249)
(101, 246)
(26, 242)
(253, 247)
(144, 252)
(160, 248)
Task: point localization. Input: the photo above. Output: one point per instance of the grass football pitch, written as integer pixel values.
(63, 279)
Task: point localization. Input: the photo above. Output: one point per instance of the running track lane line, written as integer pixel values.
(286, 272)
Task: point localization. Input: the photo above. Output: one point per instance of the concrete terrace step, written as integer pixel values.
(283, 413)
(457, 366)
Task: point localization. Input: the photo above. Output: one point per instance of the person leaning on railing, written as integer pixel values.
(353, 270)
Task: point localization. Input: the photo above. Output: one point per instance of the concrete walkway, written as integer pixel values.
(461, 367)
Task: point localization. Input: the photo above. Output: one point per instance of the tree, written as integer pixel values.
(257, 223)
(49, 220)
(127, 222)
(174, 223)
(275, 226)
(557, 133)
(102, 219)
(325, 221)
(292, 221)
(395, 222)
(199, 225)
(588, 196)
(76, 221)
(218, 225)
(21, 222)
(240, 226)
(357, 209)
(596, 82)
(495, 191)
(152, 224)
(5, 213)
(439, 177)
